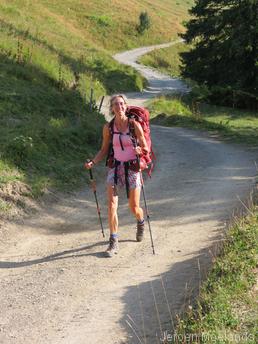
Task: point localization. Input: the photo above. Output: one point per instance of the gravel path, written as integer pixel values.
(57, 288)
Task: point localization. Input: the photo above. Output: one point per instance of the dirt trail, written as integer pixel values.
(56, 286)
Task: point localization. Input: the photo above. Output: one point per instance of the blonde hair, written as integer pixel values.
(113, 97)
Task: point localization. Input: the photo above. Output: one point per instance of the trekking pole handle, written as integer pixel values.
(137, 155)
(90, 170)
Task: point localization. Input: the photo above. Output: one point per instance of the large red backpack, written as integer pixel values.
(142, 116)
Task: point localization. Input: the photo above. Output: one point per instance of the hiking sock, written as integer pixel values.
(114, 235)
(140, 230)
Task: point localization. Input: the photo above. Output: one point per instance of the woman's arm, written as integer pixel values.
(104, 148)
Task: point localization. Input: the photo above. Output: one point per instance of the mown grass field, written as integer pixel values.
(51, 54)
(102, 24)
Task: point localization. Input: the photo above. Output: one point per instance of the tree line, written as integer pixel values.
(223, 39)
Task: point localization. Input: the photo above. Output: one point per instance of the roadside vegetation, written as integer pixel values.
(47, 128)
(226, 310)
(188, 111)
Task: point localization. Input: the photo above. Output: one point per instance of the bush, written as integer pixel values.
(224, 96)
(234, 98)
(20, 149)
(144, 22)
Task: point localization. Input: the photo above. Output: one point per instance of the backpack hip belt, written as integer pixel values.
(132, 165)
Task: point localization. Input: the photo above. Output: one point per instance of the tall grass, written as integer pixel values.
(226, 310)
(46, 132)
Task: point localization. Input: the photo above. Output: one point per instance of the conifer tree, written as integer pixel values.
(144, 22)
(224, 36)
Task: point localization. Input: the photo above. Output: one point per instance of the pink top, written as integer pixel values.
(128, 153)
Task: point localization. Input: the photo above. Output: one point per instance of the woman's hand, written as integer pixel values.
(138, 150)
(89, 164)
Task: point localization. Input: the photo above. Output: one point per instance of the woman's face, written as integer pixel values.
(118, 106)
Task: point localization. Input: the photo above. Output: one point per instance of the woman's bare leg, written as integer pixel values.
(112, 210)
(134, 203)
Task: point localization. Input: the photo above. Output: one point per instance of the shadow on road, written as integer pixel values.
(152, 309)
(67, 254)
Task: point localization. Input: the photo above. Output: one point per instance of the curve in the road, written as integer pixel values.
(158, 83)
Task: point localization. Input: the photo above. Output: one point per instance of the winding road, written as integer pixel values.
(56, 287)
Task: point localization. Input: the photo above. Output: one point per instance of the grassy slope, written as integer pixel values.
(47, 128)
(98, 24)
(227, 308)
(80, 35)
(233, 124)
(166, 60)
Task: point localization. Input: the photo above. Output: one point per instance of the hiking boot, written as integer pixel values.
(140, 231)
(112, 247)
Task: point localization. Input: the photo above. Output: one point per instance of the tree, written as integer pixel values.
(224, 36)
(144, 22)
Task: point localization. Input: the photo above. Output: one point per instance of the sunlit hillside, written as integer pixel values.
(51, 54)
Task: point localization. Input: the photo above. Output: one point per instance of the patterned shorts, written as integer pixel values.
(134, 178)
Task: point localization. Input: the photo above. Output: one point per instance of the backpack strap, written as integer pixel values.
(111, 126)
(132, 133)
(112, 132)
(126, 167)
(110, 153)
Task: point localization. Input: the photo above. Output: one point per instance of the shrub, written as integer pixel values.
(19, 149)
(145, 23)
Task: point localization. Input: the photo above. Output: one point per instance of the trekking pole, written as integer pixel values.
(145, 204)
(93, 184)
(101, 103)
(91, 98)
(147, 214)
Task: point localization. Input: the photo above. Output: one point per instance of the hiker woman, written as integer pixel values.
(121, 165)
